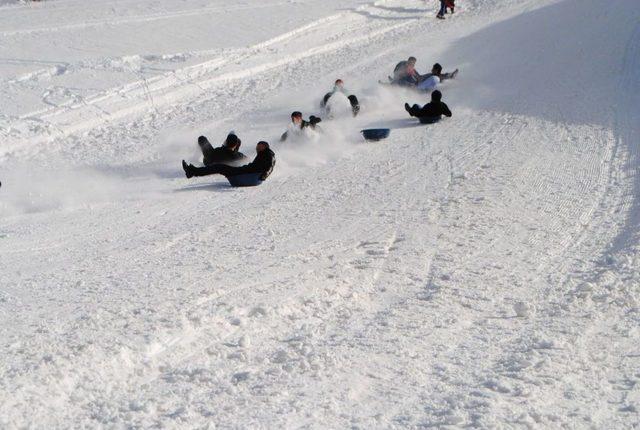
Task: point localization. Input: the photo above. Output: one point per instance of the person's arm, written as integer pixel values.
(451, 75)
(445, 110)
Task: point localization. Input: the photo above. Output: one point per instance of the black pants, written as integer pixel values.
(415, 110)
(220, 169)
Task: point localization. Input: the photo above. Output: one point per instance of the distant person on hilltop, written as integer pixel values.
(451, 4)
(298, 126)
(338, 88)
(229, 152)
(262, 165)
(432, 111)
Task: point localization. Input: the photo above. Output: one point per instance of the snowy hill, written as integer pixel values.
(480, 272)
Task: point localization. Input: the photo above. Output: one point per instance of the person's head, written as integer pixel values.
(202, 140)
(412, 61)
(262, 146)
(296, 118)
(436, 96)
(436, 69)
(339, 83)
(232, 142)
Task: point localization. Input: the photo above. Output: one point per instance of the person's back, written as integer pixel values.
(221, 154)
(434, 109)
(263, 163)
(227, 153)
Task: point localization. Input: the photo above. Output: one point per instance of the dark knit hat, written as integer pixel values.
(436, 96)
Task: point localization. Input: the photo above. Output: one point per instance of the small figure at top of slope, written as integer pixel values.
(228, 153)
(431, 112)
(259, 169)
(444, 5)
(299, 128)
(332, 98)
(451, 4)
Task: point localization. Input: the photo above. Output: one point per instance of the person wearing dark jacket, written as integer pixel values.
(227, 153)
(263, 164)
(405, 73)
(433, 110)
(299, 125)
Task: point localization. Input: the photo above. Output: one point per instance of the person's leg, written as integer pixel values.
(413, 110)
(355, 105)
(222, 169)
(443, 7)
(213, 169)
(326, 98)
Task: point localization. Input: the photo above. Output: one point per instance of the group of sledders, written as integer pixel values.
(227, 160)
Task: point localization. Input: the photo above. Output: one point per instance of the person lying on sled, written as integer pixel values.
(430, 81)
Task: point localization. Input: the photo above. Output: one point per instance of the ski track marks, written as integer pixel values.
(495, 263)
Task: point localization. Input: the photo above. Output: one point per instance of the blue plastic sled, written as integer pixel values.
(376, 134)
(429, 119)
(245, 180)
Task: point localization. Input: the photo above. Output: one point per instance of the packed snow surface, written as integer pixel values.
(482, 272)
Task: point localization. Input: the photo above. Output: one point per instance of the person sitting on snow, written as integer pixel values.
(431, 111)
(263, 164)
(405, 73)
(299, 126)
(339, 88)
(430, 81)
(229, 152)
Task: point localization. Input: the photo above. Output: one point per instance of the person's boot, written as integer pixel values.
(188, 169)
(408, 108)
(440, 16)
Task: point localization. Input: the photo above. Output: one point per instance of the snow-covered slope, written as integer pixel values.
(480, 272)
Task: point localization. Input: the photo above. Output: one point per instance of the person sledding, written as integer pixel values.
(405, 73)
(228, 153)
(260, 168)
(431, 112)
(329, 101)
(299, 127)
(430, 81)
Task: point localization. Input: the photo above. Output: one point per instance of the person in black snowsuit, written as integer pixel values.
(451, 4)
(229, 152)
(298, 125)
(339, 88)
(432, 110)
(263, 164)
